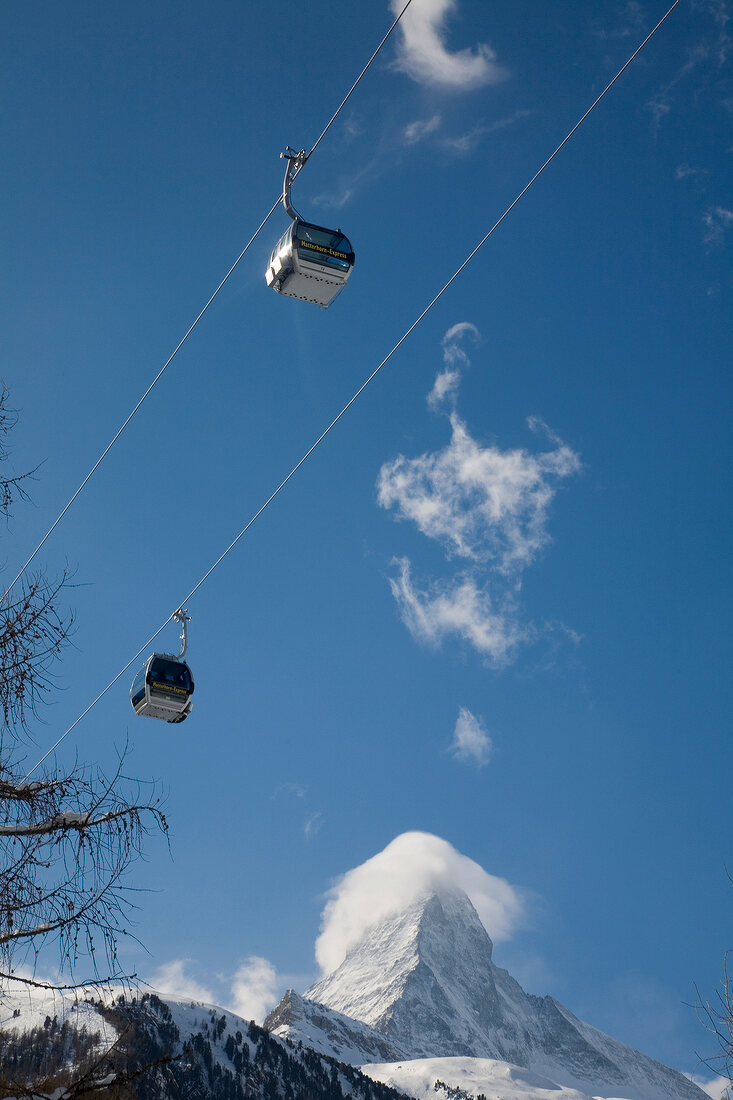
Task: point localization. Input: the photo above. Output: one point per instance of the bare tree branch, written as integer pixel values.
(716, 1016)
(70, 820)
(33, 634)
(11, 488)
(67, 840)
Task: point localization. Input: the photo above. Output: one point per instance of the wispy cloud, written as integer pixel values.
(445, 387)
(424, 55)
(464, 143)
(718, 10)
(348, 184)
(483, 504)
(683, 171)
(452, 350)
(630, 20)
(254, 989)
(353, 128)
(471, 743)
(171, 978)
(420, 128)
(508, 120)
(312, 824)
(335, 200)
(661, 102)
(716, 220)
(293, 789)
(463, 607)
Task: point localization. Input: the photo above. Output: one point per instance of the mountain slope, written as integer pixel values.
(329, 1032)
(424, 979)
(460, 1078)
(193, 1050)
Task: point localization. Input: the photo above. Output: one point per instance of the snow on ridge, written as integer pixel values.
(25, 1008)
(329, 1032)
(424, 980)
(419, 1078)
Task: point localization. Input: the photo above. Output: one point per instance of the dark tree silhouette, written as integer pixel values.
(716, 1016)
(67, 837)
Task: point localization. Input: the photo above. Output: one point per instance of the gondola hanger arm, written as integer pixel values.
(181, 616)
(296, 160)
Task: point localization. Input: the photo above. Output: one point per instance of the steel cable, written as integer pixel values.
(175, 351)
(364, 385)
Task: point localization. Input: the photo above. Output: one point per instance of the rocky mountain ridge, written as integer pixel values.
(424, 984)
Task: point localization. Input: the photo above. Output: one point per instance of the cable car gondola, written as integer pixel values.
(164, 685)
(309, 262)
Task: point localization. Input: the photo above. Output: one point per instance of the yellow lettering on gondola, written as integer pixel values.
(169, 687)
(328, 251)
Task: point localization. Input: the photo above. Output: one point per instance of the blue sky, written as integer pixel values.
(493, 606)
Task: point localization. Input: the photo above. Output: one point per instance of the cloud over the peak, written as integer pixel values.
(423, 53)
(413, 865)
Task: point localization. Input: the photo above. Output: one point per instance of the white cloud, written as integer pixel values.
(172, 979)
(445, 387)
(312, 824)
(353, 128)
(458, 607)
(254, 989)
(630, 21)
(483, 504)
(716, 221)
(447, 381)
(293, 789)
(508, 120)
(718, 9)
(471, 743)
(413, 865)
(660, 103)
(419, 129)
(452, 351)
(719, 1088)
(335, 199)
(424, 56)
(464, 143)
(480, 502)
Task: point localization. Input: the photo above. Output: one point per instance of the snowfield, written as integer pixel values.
(496, 1080)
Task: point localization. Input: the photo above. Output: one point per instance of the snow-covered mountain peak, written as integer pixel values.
(440, 934)
(423, 982)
